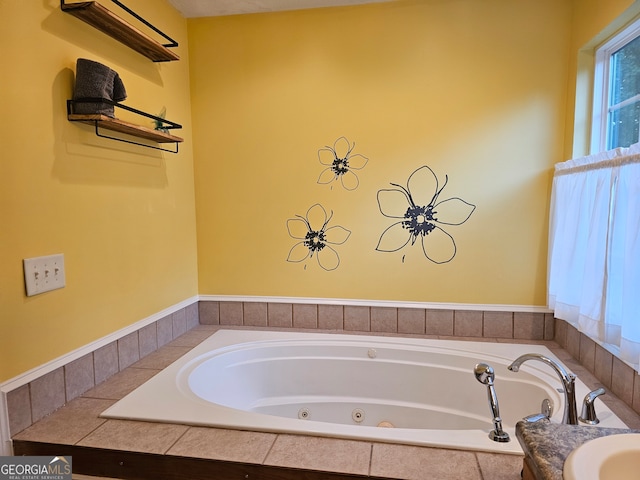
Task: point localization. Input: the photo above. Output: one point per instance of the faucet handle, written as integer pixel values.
(546, 410)
(588, 414)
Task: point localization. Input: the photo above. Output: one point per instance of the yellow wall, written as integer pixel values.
(475, 90)
(123, 216)
(481, 91)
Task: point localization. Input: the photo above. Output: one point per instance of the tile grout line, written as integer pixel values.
(270, 449)
(475, 455)
(92, 431)
(177, 440)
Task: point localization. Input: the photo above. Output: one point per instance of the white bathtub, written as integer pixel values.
(347, 385)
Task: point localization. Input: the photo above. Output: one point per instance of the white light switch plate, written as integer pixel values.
(42, 274)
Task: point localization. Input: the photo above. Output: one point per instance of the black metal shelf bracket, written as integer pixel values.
(163, 121)
(124, 140)
(172, 43)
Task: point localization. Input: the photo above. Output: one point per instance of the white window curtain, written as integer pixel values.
(594, 248)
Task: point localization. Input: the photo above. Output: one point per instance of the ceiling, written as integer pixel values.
(215, 8)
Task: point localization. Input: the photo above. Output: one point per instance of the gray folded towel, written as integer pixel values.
(94, 80)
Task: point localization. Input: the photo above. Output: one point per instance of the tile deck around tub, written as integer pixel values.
(78, 424)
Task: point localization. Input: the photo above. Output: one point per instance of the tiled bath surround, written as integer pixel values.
(614, 374)
(129, 449)
(42, 396)
(357, 318)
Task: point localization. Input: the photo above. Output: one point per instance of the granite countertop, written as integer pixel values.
(549, 444)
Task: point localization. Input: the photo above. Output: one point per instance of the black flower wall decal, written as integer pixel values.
(316, 238)
(341, 163)
(421, 216)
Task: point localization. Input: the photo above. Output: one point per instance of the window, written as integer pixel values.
(616, 106)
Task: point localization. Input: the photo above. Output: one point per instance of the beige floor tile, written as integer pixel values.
(144, 437)
(316, 453)
(121, 383)
(161, 358)
(69, 424)
(419, 463)
(223, 444)
(500, 467)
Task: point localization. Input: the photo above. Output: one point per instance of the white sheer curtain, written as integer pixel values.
(594, 248)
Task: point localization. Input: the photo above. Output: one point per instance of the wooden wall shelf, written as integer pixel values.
(106, 21)
(117, 125)
(101, 121)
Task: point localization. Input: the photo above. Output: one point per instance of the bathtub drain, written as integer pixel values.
(357, 415)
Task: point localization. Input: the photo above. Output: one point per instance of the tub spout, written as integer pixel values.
(568, 380)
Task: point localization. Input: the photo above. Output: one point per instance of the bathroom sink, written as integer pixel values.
(614, 457)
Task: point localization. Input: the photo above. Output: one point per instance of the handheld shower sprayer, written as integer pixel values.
(485, 374)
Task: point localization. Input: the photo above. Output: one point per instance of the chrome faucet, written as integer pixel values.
(568, 380)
